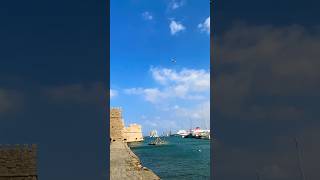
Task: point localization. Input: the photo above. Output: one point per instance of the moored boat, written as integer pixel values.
(182, 133)
(157, 141)
(188, 136)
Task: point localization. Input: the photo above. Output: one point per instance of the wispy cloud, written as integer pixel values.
(187, 84)
(196, 80)
(147, 15)
(205, 26)
(150, 94)
(198, 115)
(113, 93)
(176, 27)
(175, 4)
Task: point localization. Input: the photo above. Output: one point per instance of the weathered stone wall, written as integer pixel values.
(118, 132)
(18, 162)
(133, 133)
(116, 125)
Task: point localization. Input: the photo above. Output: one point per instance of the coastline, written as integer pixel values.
(124, 164)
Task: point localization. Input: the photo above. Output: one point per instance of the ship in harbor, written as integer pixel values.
(157, 141)
(200, 133)
(182, 133)
(195, 133)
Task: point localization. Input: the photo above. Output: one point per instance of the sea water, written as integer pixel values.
(181, 158)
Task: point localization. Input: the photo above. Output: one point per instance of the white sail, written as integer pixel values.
(154, 133)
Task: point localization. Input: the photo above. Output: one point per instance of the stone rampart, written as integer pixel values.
(18, 162)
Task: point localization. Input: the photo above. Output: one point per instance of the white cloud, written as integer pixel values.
(113, 93)
(147, 15)
(151, 123)
(181, 96)
(187, 84)
(153, 94)
(205, 26)
(198, 115)
(176, 27)
(191, 79)
(174, 4)
(150, 94)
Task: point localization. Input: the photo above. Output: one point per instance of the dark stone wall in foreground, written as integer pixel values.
(18, 162)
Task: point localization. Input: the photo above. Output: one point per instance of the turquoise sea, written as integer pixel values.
(180, 158)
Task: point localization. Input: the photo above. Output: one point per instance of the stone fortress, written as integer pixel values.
(118, 132)
(18, 162)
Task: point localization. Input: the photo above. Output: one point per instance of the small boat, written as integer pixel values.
(188, 136)
(157, 141)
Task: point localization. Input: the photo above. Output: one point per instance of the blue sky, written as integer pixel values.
(152, 90)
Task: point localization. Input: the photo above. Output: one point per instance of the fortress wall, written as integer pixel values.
(118, 132)
(18, 162)
(116, 125)
(133, 133)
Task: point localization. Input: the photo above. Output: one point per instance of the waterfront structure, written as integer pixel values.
(133, 133)
(118, 132)
(195, 133)
(124, 164)
(18, 162)
(116, 124)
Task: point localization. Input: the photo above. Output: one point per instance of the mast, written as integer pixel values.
(190, 124)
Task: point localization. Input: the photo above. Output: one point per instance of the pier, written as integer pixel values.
(124, 164)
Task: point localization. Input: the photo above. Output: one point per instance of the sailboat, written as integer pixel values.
(157, 141)
(154, 133)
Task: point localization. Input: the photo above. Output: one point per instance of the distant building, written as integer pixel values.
(133, 133)
(18, 162)
(118, 132)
